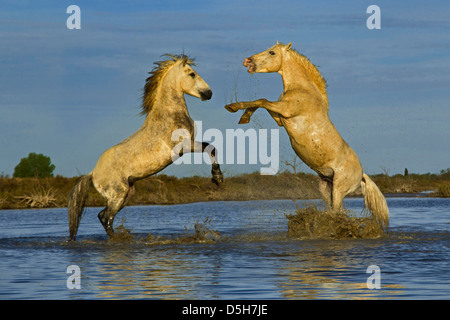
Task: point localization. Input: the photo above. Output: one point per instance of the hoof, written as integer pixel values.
(217, 180)
(244, 120)
(232, 107)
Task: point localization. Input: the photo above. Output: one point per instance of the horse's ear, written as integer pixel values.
(289, 46)
(278, 42)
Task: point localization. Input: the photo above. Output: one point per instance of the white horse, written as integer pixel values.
(302, 110)
(151, 148)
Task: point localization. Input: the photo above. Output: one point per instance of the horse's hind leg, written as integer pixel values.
(343, 184)
(107, 215)
(107, 222)
(337, 201)
(114, 204)
(325, 188)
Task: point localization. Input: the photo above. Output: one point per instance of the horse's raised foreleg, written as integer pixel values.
(245, 118)
(281, 107)
(217, 176)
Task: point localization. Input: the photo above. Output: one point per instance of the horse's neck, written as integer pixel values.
(169, 104)
(294, 75)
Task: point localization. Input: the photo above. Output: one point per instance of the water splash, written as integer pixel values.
(316, 222)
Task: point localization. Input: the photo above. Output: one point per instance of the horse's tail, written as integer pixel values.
(375, 202)
(77, 202)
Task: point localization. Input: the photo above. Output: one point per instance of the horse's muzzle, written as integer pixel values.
(205, 95)
(250, 64)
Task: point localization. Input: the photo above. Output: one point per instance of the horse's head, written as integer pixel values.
(193, 84)
(174, 73)
(267, 61)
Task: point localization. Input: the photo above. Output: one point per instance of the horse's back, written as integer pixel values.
(134, 158)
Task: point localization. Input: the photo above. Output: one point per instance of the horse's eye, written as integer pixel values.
(192, 74)
(271, 53)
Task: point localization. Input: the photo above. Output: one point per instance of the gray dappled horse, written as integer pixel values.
(151, 148)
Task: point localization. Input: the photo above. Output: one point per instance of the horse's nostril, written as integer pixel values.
(206, 95)
(247, 61)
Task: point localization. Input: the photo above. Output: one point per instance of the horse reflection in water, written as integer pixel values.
(151, 148)
(302, 110)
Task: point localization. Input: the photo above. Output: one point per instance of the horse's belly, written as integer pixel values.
(314, 148)
(312, 156)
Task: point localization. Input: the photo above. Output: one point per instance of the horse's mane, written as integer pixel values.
(313, 73)
(157, 74)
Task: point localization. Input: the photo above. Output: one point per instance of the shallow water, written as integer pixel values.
(252, 259)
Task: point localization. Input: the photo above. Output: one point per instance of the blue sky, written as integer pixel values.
(71, 94)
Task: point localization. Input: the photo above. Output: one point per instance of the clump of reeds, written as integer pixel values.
(444, 191)
(40, 197)
(316, 222)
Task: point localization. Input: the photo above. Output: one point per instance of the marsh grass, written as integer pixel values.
(314, 221)
(41, 197)
(412, 183)
(18, 193)
(444, 191)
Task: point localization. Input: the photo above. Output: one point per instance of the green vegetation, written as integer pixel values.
(161, 189)
(35, 165)
(444, 191)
